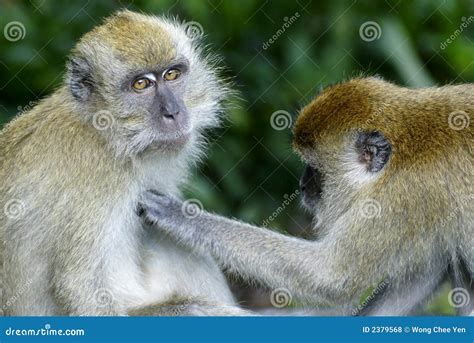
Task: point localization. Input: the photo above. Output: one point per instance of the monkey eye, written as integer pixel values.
(142, 83)
(171, 74)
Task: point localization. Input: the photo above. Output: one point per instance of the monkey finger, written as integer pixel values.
(157, 206)
(153, 191)
(157, 198)
(161, 198)
(149, 220)
(140, 210)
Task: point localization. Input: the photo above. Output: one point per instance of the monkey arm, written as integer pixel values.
(305, 268)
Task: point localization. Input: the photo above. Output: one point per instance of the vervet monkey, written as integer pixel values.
(130, 116)
(390, 183)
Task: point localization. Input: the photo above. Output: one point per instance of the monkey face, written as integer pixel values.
(343, 149)
(147, 77)
(311, 188)
(158, 96)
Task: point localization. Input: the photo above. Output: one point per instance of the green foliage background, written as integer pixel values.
(251, 169)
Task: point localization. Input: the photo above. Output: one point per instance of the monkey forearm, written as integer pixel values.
(238, 245)
(259, 254)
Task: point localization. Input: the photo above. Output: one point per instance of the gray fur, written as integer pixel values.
(77, 246)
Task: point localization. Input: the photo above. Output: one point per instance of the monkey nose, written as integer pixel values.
(307, 176)
(302, 187)
(170, 114)
(170, 111)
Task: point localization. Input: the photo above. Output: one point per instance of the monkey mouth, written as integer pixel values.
(172, 141)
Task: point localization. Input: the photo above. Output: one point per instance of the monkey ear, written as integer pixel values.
(373, 150)
(79, 78)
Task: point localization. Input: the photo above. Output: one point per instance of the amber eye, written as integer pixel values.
(142, 83)
(171, 74)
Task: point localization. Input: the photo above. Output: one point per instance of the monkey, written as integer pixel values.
(138, 95)
(388, 179)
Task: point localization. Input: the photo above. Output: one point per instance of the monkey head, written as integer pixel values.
(142, 82)
(338, 136)
(370, 140)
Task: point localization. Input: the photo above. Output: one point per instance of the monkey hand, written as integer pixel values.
(166, 212)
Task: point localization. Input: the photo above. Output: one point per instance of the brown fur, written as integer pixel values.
(121, 32)
(427, 179)
(414, 120)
